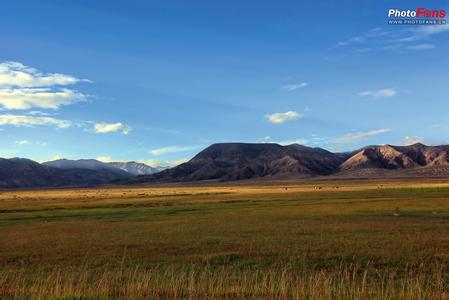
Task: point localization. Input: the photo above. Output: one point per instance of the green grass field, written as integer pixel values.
(345, 240)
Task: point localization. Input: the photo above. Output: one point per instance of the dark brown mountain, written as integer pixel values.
(236, 161)
(19, 172)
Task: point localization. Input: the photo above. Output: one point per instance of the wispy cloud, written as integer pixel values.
(164, 164)
(22, 142)
(422, 32)
(111, 127)
(279, 118)
(363, 50)
(105, 159)
(57, 157)
(410, 140)
(294, 86)
(23, 87)
(444, 126)
(421, 47)
(19, 75)
(149, 162)
(30, 121)
(38, 113)
(26, 98)
(382, 93)
(359, 136)
(394, 39)
(374, 33)
(171, 149)
(268, 139)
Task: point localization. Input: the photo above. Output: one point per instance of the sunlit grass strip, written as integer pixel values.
(344, 282)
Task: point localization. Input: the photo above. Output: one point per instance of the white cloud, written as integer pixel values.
(421, 47)
(432, 29)
(111, 127)
(171, 149)
(363, 50)
(290, 142)
(105, 159)
(423, 32)
(365, 93)
(57, 157)
(382, 93)
(410, 140)
(26, 98)
(268, 139)
(394, 40)
(149, 162)
(359, 136)
(165, 164)
(29, 121)
(22, 142)
(278, 118)
(440, 126)
(292, 87)
(22, 87)
(19, 75)
(375, 33)
(39, 113)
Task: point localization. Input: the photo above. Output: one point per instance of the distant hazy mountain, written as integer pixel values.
(19, 172)
(135, 168)
(91, 164)
(132, 168)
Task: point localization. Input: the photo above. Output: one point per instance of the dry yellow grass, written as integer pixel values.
(347, 240)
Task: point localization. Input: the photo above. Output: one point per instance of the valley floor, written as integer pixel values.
(291, 240)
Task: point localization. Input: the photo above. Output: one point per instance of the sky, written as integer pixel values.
(158, 81)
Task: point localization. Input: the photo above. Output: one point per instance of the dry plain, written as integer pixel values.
(273, 240)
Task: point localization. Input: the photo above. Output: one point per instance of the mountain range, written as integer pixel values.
(237, 161)
(20, 172)
(126, 168)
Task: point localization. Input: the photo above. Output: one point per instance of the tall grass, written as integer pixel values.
(344, 282)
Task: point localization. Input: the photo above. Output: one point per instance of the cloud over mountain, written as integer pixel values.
(360, 136)
(171, 149)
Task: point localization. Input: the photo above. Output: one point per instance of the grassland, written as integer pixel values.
(322, 240)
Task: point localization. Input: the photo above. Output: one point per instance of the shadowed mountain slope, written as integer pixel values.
(19, 172)
(236, 161)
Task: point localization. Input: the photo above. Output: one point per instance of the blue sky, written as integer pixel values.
(157, 81)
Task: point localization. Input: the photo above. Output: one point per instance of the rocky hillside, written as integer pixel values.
(236, 161)
(397, 157)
